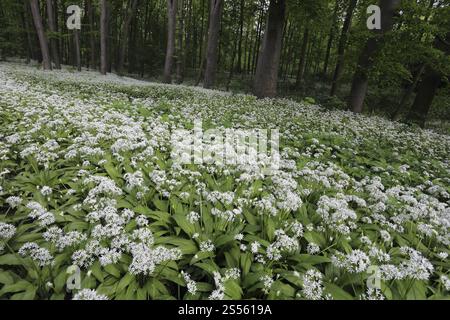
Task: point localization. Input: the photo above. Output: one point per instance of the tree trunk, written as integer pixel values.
(76, 42)
(241, 32)
(29, 42)
(408, 93)
(330, 39)
(342, 44)
(103, 36)
(302, 62)
(424, 98)
(46, 63)
(125, 34)
(266, 76)
(427, 88)
(90, 10)
(171, 15)
(213, 43)
(181, 52)
(366, 59)
(52, 27)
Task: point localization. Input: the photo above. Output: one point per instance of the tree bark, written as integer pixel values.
(241, 32)
(213, 43)
(408, 93)
(29, 42)
(171, 15)
(366, 59)
(90, 10)
(103, 37)
(428, 87)
(76, 42)
(181, 51)
(125, 34)
(330, 39)
(302, 62)
(266, 76)
(342, 44)
(52, 27)
(46, 62)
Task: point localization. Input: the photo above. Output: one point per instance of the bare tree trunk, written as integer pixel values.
(125, 33)
(428, 87)
(181, 52)
(302, 62)
(424, 98)
(171, 15)
(213, 43)
(76, 37)
(103, 36)
(52, 27)
(266, 76)
(90, 10)
(41, 35)
(241, 32)
(330, 39)
(29, 42)
(366, 61)
(408, 93)
(202, 47)
(342, 45)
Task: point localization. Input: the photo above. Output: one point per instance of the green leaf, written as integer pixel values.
(10, 259)
(336, 292)
(125, 281)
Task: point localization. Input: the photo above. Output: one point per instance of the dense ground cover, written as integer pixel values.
(87, 180)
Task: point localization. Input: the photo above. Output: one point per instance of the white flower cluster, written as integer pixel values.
(89, 294)
(43, 217)
(7, 231)
(191, 284)
(312, 285)
(354, 262)
(40, 255)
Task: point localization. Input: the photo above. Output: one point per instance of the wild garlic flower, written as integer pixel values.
(40, 255)
(89, 294)
(312, 285)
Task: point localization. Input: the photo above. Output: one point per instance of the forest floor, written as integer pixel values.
(88, 182)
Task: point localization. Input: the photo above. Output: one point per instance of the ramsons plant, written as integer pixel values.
(87, 183)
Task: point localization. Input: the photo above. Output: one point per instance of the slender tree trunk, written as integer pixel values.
(302, 62)
(181, 52)
(125, 34)
(266, 76)
(241, 32)
(76, 42)
(366, 59)
(29, 42)
(90, 12)
(330, 39)
(213, 43)
(52, 27)
(342, 45)
(103, 37)
(47, 65)
(171, 15)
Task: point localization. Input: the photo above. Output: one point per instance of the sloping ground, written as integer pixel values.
(87, 180)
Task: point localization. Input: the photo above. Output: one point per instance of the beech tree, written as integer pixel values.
(53, 41)
(213, 43)
(266, 77)
(37, 19)
(366, 58)
(170, 51)
(103, 37)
